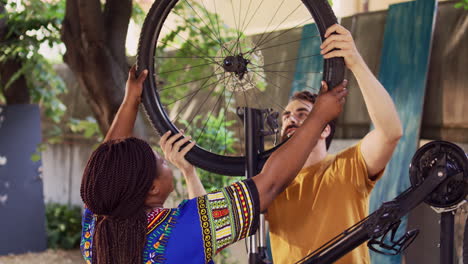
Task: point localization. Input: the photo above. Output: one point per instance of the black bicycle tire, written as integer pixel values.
(333, 74)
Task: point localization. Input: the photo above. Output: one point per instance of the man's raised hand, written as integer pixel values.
(340, 44)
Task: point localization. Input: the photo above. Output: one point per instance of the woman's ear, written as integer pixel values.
(154, 190)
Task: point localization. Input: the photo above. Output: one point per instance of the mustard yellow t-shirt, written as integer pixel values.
(322, 201)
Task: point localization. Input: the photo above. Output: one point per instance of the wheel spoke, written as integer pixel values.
(269, 23)
(192, 81)
(237, 28)
(285, 71)
(255, 92)
(211, 21)
(209, 34)
(211, 113)
(242, 28)
(226, 110)
(203, 21)
(196, 47)
(203, 86)
(193, 94)
(216, 17)
(220, 38)
(189, 55)
(202, 104)
(253, 15)
(186, 68)
(284, 32)
(277, 45)
(278, 62)
(271, 31)
(270, 97)
(224, 121)
(289, 79)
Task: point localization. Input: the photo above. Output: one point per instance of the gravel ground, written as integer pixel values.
(47, 257)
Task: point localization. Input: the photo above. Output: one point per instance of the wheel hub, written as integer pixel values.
(241, 68)
(236, 64)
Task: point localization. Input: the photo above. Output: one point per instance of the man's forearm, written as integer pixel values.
(124, 120)
(379, 104)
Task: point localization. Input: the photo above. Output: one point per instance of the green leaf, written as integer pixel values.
(88, 127)
(17, 75)
(35, 157)
(462, 4)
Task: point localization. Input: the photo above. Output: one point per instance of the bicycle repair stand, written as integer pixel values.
(439, 177)
(447, 231)
(254, 144)
(447, 234)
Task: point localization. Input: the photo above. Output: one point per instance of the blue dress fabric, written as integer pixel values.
(197, 229)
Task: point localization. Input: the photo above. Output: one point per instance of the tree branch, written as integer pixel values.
(71, 35)
(91, 21)
(96, 53)
(117, 15)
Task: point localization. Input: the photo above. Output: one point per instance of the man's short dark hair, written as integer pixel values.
(311, 97)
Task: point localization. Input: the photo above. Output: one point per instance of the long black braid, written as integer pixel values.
(115, 183)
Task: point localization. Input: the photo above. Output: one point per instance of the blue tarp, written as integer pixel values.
(403, 72)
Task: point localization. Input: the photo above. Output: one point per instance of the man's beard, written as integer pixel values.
(287, 134)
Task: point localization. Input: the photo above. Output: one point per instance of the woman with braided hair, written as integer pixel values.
(125, 185)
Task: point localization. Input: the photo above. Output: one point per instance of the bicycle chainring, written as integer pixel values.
(449, 156)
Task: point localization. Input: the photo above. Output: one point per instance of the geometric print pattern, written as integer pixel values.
(160, 225)
(226, 216)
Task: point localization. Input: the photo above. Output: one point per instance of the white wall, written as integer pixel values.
(63, 166)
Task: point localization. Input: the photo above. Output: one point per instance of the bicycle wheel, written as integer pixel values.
(207, 58)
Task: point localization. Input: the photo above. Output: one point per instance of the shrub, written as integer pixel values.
(63, 226)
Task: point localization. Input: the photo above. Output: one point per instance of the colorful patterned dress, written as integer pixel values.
(196, 230)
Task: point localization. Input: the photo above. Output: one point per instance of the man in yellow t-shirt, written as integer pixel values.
(331, 192)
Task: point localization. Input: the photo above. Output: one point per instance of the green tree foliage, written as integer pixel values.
(462, 4)
(29, 26)
(88, 127)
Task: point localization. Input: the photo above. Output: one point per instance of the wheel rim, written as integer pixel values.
(196, 86)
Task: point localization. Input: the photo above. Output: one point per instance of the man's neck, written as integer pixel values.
(316, 155)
